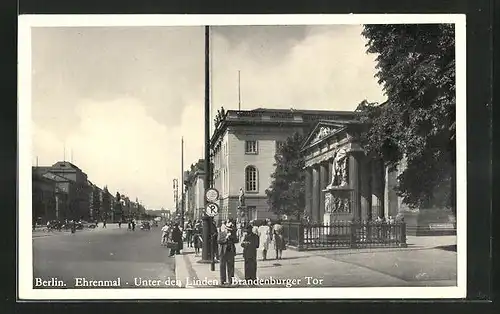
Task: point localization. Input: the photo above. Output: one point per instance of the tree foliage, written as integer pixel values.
(286, 195)
(416, 67)
(106, 203)
(96, 201)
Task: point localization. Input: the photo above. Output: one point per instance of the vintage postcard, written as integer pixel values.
(284, 156)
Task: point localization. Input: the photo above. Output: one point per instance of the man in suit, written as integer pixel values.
(250, 245)
(227, 252)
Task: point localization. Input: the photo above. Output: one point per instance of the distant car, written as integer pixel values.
(145, 225)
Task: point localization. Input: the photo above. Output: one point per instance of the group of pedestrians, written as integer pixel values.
(194, 235)
(223, 241)
(172, 237)
(228, 237)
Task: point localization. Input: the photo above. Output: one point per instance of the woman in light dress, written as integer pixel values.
(267, 239)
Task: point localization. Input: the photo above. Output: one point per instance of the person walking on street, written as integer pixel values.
(268, 238)
(250, 245)
(226, 240)
(164, 234)
(104, 223)
(119, 223)
(197, 238)
(189, 233)
(213, 238)
(176, 237)
(133, 225)
(279, 242)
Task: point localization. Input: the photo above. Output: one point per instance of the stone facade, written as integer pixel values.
(195, 194)
(343, 183)
(261, 130)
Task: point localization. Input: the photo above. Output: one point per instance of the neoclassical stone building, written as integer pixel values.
(343, 183)
(243, 147)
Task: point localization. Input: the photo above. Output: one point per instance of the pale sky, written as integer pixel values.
(121, 98)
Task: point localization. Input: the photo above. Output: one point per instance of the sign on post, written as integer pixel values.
(212, 195)
(212, 209)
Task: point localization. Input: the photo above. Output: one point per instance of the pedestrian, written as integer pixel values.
(250, 245)
(213, 231)
(226, 240)
(119, 223)
(164, 234)
(104, 223)
(189, 233)
(133, 225)
(197, 238)
(176, 237)
(279, 242)
(268, 238)
(239, 230)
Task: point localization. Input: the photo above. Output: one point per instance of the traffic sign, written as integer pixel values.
(212, 195)
(212, 209)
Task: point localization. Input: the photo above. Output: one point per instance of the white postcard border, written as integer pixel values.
(25, 252)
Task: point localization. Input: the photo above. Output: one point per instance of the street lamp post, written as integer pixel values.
(207, 256)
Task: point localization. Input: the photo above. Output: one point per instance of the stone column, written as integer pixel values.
(323, 182)
(329, 169)
(315, 194)
(377, 189)
(308, 196)
(366, 193)
(390, 195)
(354, 183)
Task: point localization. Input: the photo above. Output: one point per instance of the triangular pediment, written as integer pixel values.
(322, 131)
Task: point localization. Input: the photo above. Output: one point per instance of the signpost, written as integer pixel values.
(212, 209)
(212, 195)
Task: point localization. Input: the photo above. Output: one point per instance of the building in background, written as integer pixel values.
(43, 198)
(195, 191)
(243, 147)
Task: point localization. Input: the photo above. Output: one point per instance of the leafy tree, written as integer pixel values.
(96, 202)
(416, 67)
(286, 195)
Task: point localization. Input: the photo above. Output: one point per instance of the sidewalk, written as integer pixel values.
(423, 263)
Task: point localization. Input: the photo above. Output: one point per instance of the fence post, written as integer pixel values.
(353, 234)
(403, 235)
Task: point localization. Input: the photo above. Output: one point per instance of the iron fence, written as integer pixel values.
(344, 234)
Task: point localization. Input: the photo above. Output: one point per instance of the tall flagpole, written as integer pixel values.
(239, 92)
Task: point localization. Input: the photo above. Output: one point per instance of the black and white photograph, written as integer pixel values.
(242, 156)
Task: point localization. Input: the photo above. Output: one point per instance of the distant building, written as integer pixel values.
(43, 198)
(243, 147)
(70, 190)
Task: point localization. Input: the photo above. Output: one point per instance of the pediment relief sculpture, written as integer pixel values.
(323, 132)
(337, 204)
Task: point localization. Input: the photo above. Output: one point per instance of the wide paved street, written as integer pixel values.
(102, 254)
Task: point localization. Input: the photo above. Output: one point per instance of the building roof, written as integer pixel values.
(66, 165)
(276, 117)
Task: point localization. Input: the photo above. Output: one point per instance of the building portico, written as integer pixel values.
(342, 183)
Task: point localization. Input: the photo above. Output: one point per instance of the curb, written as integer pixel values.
(181, 270)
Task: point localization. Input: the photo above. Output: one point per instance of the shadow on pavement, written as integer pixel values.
(451, 248)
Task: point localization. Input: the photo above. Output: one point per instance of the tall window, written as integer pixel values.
(252, 212)
(251, 179)
(251, 147)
